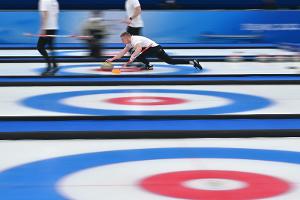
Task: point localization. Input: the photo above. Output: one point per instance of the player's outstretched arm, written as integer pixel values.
(119, 55)
(136, 53)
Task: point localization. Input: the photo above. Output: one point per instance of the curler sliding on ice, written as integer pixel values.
(145, 47)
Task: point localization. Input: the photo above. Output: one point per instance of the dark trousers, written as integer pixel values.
(41, 46)
(160, 53)
(95, 48)
(95, 43)
(134, 30)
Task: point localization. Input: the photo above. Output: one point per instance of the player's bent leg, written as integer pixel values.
(51, 47)
(161, 54)
(41, 47)
(143, 59)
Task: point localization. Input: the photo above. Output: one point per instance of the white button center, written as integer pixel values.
(215, 184)
(145, 100)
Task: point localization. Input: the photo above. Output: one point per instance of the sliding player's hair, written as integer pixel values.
(125, 34)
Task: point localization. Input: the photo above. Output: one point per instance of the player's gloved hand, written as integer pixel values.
(109, 60)
(84, 37)
(125, 65)
(127, 21)
(42, 31)
(130, 61)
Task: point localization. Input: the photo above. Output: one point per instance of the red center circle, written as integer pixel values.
(142, 101)
(258, 186)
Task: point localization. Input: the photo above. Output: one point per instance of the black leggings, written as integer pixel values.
(134, 30)
(95, 48)
(41, 46)
(160, 53)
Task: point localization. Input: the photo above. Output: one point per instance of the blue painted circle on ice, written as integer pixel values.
(46, 173)
(237, 102)
(178, 69)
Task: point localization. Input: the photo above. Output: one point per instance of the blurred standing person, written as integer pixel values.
(134, 18)
(49, 10)
(95, 28)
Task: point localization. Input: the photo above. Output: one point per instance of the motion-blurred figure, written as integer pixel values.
(134, 18)
(95, 27)
(49, 10)
(134, 22)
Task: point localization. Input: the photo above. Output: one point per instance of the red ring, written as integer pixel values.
(158, 101)
(258, 186)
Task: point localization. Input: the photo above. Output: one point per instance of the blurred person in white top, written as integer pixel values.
(49, 11)
(134, 18)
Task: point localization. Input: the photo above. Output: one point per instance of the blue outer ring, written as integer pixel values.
(180, 69)
(238, 102)
(48, 172)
